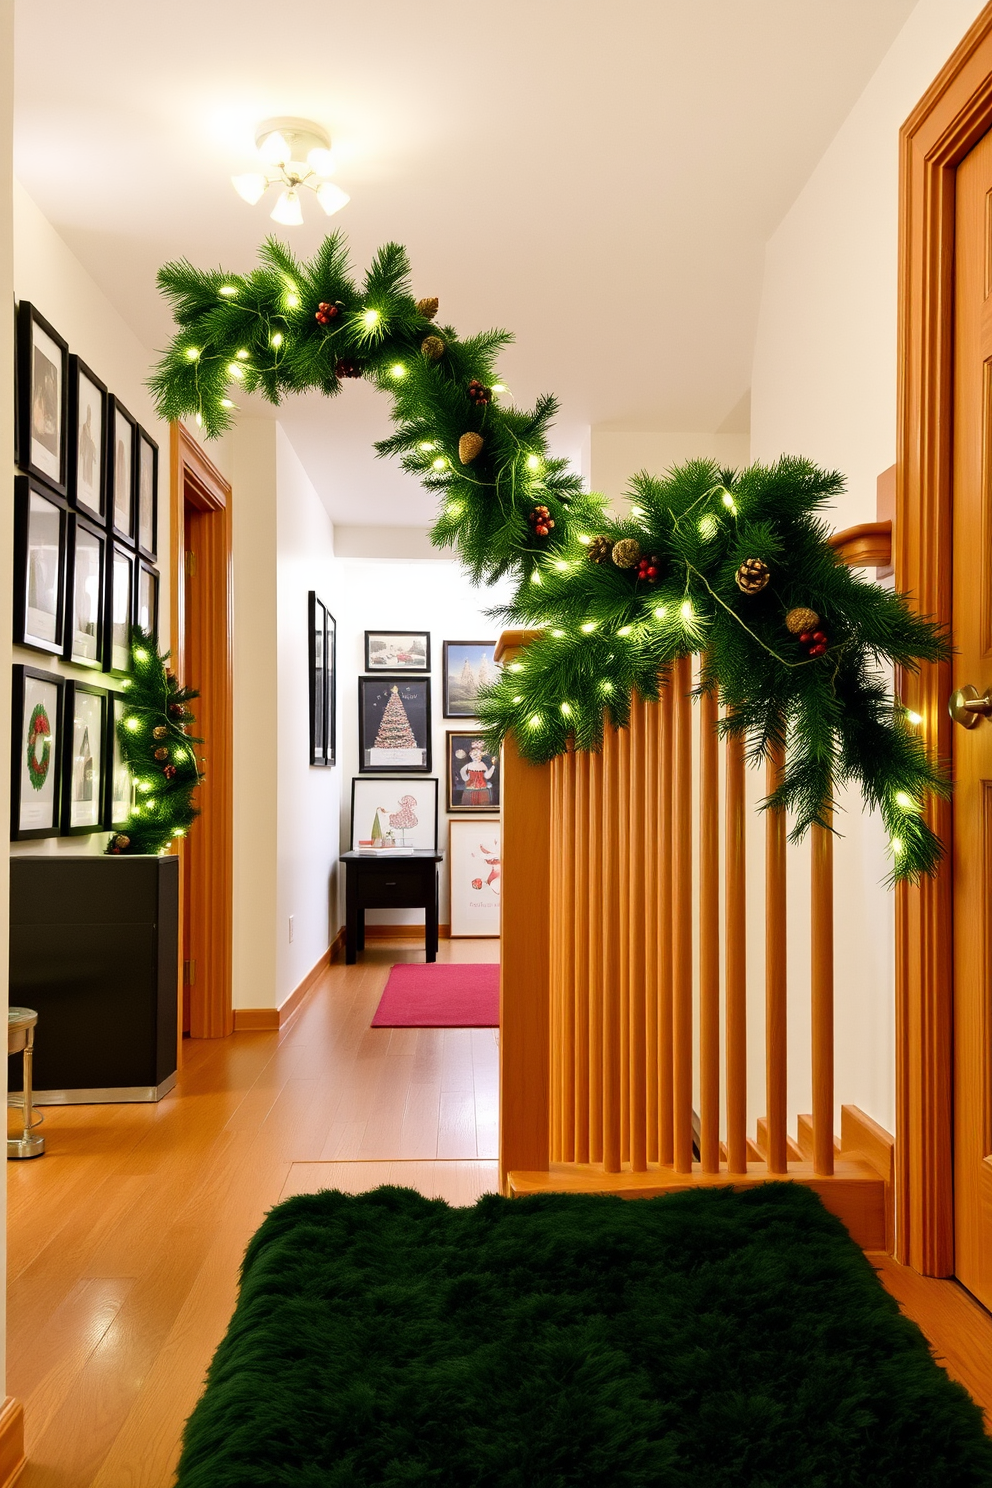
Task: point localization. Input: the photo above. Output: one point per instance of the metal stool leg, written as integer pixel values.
(27, 1145)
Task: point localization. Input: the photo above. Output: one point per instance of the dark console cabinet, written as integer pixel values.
(94, 949)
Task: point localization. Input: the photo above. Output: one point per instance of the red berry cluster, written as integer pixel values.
(478, 393)
(345, 367)
(647, 569)
(541, 520)
(169, 772)
(814, 641)
(325, 313)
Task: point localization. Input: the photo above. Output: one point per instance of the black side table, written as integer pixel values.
(388, 880)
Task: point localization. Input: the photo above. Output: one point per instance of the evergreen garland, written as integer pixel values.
(157, 746)
(708, 561)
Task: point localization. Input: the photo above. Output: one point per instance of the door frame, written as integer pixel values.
(954, 113)
(208, 853)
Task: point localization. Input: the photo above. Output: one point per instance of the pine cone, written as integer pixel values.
(599, 550)
(121, 841)
(345, 367)
(752, 576)
(626, 552)
(428, 308)
(433, 348)
(159, 731)
(800, 619)
(469, 446)
(162, 753)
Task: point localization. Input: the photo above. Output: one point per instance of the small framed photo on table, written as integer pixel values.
(42, 398)
(86, 592)
(120, 609)
(474, 852)
(397, 651)
(473, 774)
(468, 665)
(147, 494)
(87, 441)
(120, 470)
(36, 719)
(84, 756)
(39, 566)
(394, 724)
(120, 781)
(388, 815)
(146, 598)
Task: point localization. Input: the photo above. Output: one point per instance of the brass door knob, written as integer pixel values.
(968, 707)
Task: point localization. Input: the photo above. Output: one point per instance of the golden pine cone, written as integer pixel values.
(121, 840)
(599, 550)
(801, 619)
(752, 576)
(469, 446)
(433, 348)
(159, 731)
(428, 308)
(626, 552)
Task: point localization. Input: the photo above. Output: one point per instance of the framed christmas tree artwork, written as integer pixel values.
(394, 724)
(393, 815)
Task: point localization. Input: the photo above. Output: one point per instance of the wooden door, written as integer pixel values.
(972, 667)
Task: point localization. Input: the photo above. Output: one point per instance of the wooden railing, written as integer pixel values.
(611, 1069)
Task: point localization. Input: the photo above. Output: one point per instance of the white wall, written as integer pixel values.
(616, 455)
(47, 274)
(824, 385)
(6, 525)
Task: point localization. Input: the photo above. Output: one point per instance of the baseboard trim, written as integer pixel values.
(403, 932)
(337, 946)
(270, 1019)
(11, 1441)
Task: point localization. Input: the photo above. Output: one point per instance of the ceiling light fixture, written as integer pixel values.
(302, 156)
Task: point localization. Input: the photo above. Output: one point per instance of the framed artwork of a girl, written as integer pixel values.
(473, 774)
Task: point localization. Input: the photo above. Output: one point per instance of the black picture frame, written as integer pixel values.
(82, 646)
(375, 695)
(458, 756)
(372, 790)
(32, 689)
(42, 399)
(147, 593)
(392, 641)
(83, 769)
(317, 677)
(146, 494)
(331, 658)
(119, 609)
(453, 705)
(87, 473)
(40, 526)
(117, 802)
(121, 463)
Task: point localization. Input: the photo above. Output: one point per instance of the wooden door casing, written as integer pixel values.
(972, 628)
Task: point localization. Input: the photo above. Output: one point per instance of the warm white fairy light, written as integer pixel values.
(562, 566)
(905, 801)
(686, 610)
(226, 403)
(534, 721)
(425, 445)
(558, 634)
(455, 508)
(397, 370)
(588, 627)
(584, 539)
(235, 369)
(439, 463)
(370, 318)
(625, 630)
(729, 503)
(660, 612)
(535, 577)
(914, 718)
(242, 355)
(606, 685)
(292, 299)
(228, 291)
(515, 666)
(192, 353)
(566, 709)
(198, 420)
(276, 339)
(707, 527)
(897, 845)
(533, 462)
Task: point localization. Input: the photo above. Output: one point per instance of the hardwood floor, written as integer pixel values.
(126, 1237)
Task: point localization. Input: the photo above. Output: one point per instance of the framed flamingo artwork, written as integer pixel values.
(474, 864)
(394, 815)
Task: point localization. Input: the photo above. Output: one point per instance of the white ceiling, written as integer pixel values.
(599, 176)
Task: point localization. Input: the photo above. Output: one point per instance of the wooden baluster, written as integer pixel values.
(634, 908)
(736, 959)
(666, 880)
(682, 916)
(582, 990)
(559, 843)
(622, 771)
(610, 952)
(709, 935)
(594, 921)
(567, 870)
(651, 912)
(776, 977)
(822, 998)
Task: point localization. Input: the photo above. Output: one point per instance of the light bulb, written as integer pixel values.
(226, 403)
(589, 627)
(584, 538)
(535, 577)
(686, 610)
(498, 387)
(397, 371)
(905, 801)
(192, 353)
(914, 718)
(235, 369)
(518, 699)
(198, 420)
(276, 338)
(242, 355)
(561, 565)
(515, 666)
(535, 720)
(454, 508)
(132, 724)
(897, 845)
(331, 197)
(287, 209)
(426, 444)
(141, 656)
(707, 527)
(533, 462)
(370, 318)
(228, 291)
(566, 709)
(250, 187)
(625, 630)
(292, 299)
(558, 634)
(660, 612)
(275, 148)
(321, 160)
(439, 463)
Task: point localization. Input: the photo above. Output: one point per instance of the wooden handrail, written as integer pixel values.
(866, 546)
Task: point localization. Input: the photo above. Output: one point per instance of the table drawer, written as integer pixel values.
(395, 888)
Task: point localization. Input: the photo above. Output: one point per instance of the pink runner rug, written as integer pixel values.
(433, 996)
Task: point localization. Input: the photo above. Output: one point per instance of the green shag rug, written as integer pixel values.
(700, 1340)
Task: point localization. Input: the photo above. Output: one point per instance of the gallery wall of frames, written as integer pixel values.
(85, 549)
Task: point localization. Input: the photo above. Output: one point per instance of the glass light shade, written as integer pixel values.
(331, 197)
(275, 149)
(250, 187)
(287, 210)
(321, 161)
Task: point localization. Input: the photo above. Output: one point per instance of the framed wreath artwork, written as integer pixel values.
(35, 760)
